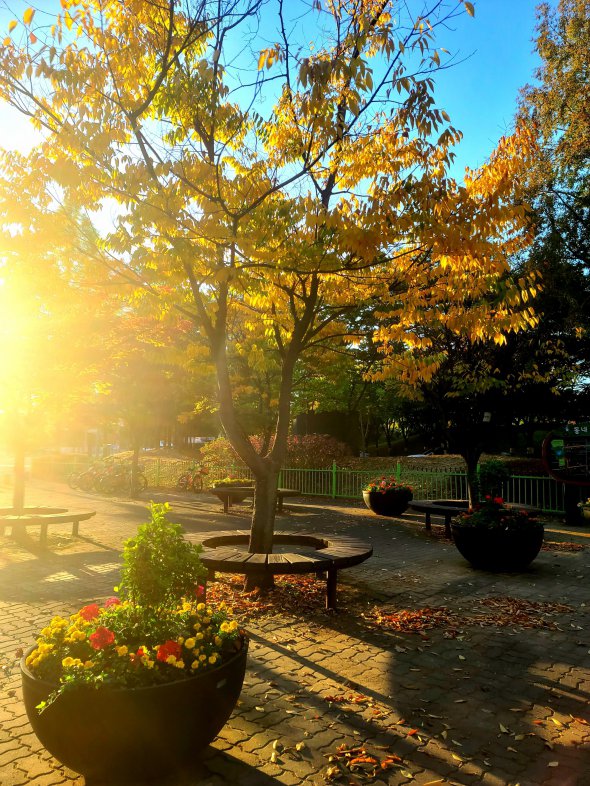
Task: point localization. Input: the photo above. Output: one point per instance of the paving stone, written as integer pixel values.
(545, 673)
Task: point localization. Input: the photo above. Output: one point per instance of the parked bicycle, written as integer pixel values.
(117, 479)
(88, 479)
(193, 479)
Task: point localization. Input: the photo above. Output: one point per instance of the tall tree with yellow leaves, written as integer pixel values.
(258, 174)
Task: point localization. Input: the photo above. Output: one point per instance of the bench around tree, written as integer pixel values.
(320, 554)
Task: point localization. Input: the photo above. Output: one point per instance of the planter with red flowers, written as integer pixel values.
(136, 686)
(497, 537)
(385, 496)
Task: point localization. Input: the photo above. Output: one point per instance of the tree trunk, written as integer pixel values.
(261, 533)
(134, 490)
(18, 492)
(471, 458)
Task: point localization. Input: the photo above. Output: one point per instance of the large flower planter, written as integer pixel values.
(135, 732)
(235, 495)
(388, 503)
(496, 549)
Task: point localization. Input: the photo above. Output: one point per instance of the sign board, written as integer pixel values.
(566, 454)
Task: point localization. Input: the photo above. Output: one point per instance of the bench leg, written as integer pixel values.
(75, 527)
(226, 505)
(427, 520)
(331, 588)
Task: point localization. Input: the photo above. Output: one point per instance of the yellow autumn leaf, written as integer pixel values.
(12, 25)
(470, 9)
(28, 16)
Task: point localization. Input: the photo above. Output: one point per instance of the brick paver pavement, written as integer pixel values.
(462, 704)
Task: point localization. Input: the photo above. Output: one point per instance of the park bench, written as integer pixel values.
(450, 508)
(41, 517)
(230, 494)
(439, 507)
(225, 552)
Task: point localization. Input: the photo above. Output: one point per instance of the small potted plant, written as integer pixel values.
(585, 508)
(385, 496)
(134, 686)
(494, 536)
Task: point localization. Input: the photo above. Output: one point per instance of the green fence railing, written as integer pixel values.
(337, 482)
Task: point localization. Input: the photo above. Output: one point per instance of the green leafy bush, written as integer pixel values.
(492, 475)
(159, 566)
(313, 451)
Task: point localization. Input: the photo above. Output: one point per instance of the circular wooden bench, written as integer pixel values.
(41, 517)
(309, 554)
(229, 494)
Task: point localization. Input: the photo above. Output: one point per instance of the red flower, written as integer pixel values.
(200, 591)
(101, 638)
(111, 602)
(169, 648)
(498, 500)
(90, 612)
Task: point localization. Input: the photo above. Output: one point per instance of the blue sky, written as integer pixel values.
(479, 93)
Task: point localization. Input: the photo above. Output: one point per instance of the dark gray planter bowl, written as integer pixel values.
(388, 503)
(496, 549)
(132, 733)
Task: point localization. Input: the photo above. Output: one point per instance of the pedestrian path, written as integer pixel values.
(431, 673)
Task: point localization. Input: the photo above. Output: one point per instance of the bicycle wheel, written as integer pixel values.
(184, 482)
(73, 481)
(141, 482)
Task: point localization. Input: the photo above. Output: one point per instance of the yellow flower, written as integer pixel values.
(224, 627)
(233, 626)
(180, 640)
(122, 650)
(189, 643)
(199, 637)
(88, 664)
(202, 658)
(218, 641)
(213, 658)
(201, 607)
(206, 620)
(195, 664)
(171, 660)
(179, 664)
(69, 662)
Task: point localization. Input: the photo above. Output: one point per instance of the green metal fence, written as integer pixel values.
(338, 482)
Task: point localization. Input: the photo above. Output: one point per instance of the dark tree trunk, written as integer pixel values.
(18, 492)
(134, 490)
(471, 457)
